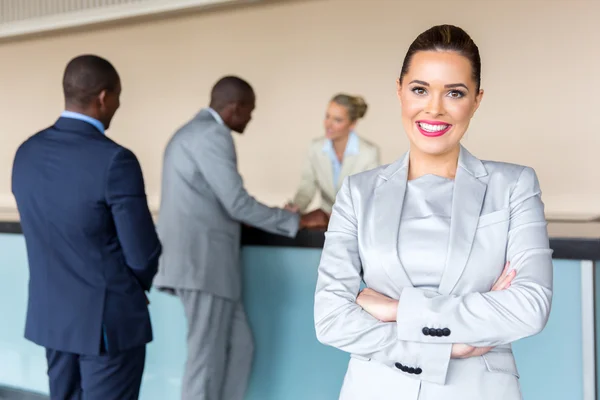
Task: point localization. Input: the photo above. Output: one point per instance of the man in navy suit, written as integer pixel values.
(91, 243)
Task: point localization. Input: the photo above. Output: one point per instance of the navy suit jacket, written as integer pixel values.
(91, 241)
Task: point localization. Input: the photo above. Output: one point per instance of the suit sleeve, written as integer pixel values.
(216, 159)
(500, 317)
(126, 198)
(308, 185)
(343, 324)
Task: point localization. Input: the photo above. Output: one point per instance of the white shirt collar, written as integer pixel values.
(352, 146)
(215, 115)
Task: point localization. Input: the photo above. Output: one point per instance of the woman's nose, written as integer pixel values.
(435, 106)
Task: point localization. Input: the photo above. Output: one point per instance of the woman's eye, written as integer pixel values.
(456, 94)
(419, 91)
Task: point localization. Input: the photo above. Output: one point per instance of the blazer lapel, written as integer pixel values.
(468, 196)
(347, 167)
(387, 211)
(327, 184)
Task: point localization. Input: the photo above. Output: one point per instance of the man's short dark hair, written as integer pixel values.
(229, 89)
(86, 76)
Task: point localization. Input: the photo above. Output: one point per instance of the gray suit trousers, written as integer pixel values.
(220, 347)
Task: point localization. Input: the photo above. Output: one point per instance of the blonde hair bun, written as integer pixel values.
(360, 105)
(356, 105)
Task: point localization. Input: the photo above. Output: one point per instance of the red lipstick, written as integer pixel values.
(433, 128)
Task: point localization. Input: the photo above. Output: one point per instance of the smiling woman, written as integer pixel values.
(447, 291)
(439, 90)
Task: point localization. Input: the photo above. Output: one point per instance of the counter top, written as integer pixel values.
(574, 240)
(10, 227)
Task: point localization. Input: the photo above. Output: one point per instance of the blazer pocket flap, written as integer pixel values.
(494, 217)
(504, 361)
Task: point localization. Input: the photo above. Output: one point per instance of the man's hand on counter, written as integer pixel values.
(314, 219)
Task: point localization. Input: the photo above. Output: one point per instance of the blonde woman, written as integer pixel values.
(340, 153)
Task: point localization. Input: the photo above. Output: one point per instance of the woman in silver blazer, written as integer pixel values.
(339, 154)
(454, 251)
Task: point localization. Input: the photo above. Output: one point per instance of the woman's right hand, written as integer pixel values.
(460, 350)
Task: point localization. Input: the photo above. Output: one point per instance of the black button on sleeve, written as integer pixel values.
(411, 370)
(426, 331)
(418, 371)
(438, 333)
(446, 332)
(398, 365)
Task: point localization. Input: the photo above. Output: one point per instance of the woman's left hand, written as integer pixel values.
(379, 306)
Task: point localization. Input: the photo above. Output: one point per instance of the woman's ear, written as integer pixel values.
(478, 99)
(399, 90)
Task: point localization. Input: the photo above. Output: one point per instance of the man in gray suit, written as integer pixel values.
(203, 204)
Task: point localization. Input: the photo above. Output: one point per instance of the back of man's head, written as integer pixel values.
(85, 77)
(91, 85)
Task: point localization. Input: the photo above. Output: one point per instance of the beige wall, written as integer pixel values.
(541, 73)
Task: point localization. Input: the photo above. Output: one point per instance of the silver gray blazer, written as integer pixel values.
(203, 202)
(497, 215)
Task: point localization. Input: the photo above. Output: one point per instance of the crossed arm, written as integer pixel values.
(385, 309)
(387, 330)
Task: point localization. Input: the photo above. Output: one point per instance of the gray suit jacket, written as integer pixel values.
(203, 201)
(497, 215)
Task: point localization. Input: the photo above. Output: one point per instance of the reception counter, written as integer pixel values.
(290, 364)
